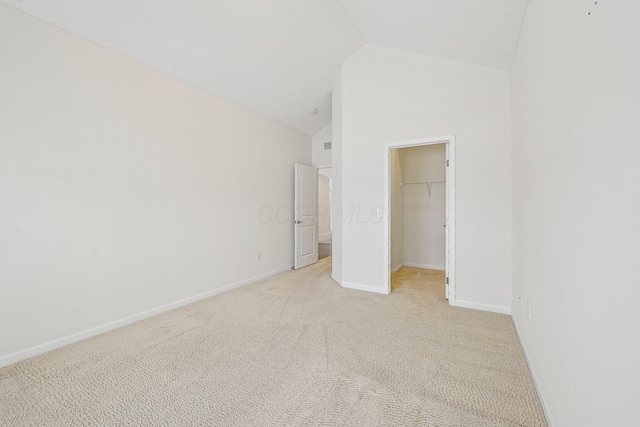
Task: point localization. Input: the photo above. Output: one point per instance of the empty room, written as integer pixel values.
(320, 212)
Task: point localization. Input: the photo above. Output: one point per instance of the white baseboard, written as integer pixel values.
(10, 359)
(324, 238)
(335, 279)
(367, 288)
(479, 306)
(395, 270)
(533, 375)
(427, 266)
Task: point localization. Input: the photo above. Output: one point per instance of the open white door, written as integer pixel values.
(306, 216)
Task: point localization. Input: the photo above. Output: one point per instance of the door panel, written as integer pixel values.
(307, 240)
(306, 216)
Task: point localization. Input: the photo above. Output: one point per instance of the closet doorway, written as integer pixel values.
(420, 184)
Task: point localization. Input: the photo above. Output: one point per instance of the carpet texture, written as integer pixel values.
(294, 349)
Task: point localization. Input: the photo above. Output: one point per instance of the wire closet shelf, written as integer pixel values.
(427, 183)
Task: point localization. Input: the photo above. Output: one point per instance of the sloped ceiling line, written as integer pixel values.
(280, 58)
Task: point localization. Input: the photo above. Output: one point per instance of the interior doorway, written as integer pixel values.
(306, 216)
(420, 225)
(325, 225)
(313, 219)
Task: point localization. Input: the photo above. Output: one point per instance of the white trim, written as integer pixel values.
(335, 279)
(324, 236)
(10, 359)
(367, 288)
(395, 270)
(427, 266)
(450, 142)
(531, 371)
(479, 306)
(321, 167)
(451, 218)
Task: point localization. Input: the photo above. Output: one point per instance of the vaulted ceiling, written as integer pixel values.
(280, 58)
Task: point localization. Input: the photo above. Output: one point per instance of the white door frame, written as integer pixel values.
(450, 142)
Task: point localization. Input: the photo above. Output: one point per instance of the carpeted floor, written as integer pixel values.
(294, 349)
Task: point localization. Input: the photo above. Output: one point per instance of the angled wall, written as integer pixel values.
(320, 157)
(336, 182)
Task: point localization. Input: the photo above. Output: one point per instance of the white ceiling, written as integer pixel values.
(280, 58)
(483, 32)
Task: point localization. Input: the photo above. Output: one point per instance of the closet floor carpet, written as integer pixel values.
(294, 349)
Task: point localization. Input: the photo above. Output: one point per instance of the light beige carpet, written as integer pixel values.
(294, 349)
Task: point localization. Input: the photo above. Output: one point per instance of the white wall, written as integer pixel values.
(576, 105)
(123, 189)
(397, 211)
(336, 184)
(391, 96)
(321, 158)
(424, 215)
(324, 204)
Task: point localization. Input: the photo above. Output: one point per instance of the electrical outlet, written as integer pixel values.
(258, 256)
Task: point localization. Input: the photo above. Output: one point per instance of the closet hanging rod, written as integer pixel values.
(423, 182)
(429, 183)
